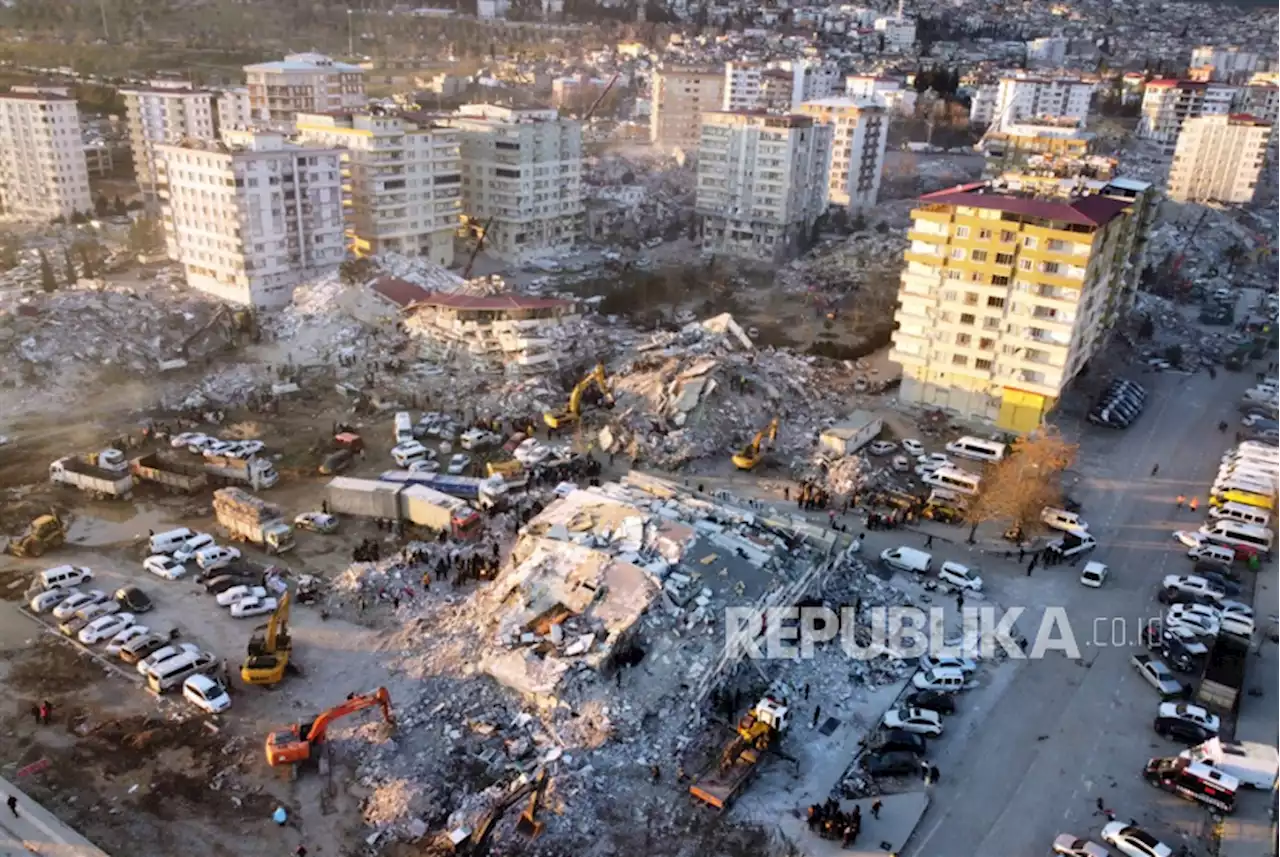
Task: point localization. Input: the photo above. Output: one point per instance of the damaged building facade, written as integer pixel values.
(860, 130)
(513, 331)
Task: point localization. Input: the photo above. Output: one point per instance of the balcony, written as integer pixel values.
(930, 259)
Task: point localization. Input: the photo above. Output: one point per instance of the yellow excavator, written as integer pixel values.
(570, 415)
(270, 647)
(751, 454)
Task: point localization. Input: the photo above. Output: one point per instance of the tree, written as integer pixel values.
(146, 236)
(1024, 482)
(47, 281)
(71, 267)
(118, 207)
(78, 217)
(100, 205)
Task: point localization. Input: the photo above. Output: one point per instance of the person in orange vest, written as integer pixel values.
(1194, 503)
(1181, 500)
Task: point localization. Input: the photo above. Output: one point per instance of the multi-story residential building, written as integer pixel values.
(899, 33)
(762, 183)
(302, 83)
(810, 79)
(1047, 52)
(169, 113)
(860, 131)
(233, 109)
(99, 162)
(680, 96)
(1021, 98)
(1231, 65)
(1259, 100)
(402, 176)
(1008, 291)
(521, 178)
(1219, 158)
(1058, 137)
(780, 86)
(1167, 103)
(43, 175)
(251, 216)
(741, 85)
(982, 103)
(888, 92)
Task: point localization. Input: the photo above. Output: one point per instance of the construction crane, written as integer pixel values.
(301, 741)
(751, 454)
(270, 648)
(475, 842)
(570, 415)
(608, 86)
(475, 251)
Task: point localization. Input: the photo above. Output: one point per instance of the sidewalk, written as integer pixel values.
(35, 830)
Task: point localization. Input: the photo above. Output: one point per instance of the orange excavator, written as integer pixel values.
(300, 742)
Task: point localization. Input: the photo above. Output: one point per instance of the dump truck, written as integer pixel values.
(1224, 673)
(757, 732)
(45, 534)
(247, 518)
(84, 472)
(171, 471)
(438, 511)
(257, 472)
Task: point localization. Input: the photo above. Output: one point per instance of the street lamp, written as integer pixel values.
(351, 35)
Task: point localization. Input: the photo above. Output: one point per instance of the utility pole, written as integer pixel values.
(351, 35)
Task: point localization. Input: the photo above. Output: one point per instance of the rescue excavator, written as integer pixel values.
(570, 415)
(270, 648)
(751, 454)
(474, 841)
(303, 742)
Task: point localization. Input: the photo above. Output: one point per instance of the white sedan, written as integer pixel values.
(882, 447)
(206, 694)
(1189, 538)
(459, 463)
(201, 443)
(186, 439)
(921, 721)
(238, 593)
(250, 447)
(68, 608)
(145, 665)
(913, 446)
(1192, 714)
(317, 522)
(1198, 623)
(424, 465)
(1071, 846)
(104, 628)
(1133, 841)
(164, 566)
(125, 637)
(966, 665)
(42, 601)
(217, 556)
(252, 606)
(219, 447)
(933, 461)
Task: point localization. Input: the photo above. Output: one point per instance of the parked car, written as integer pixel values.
(134, 599)
(42, 602)
(186, 439)
(216, 556)
(250, 447)
(1196, 617)
(921, 721)
(124, 637)
(1189, 713)
(931, 662)
(891, 763)
(960, 576)
(206, 694)
(141, 647)
(1094, 574)
(222, 582)
(458, 463)
(1192, 584)
(900, 739)
(881, 447)
(69, 606)
(163, 654)
(913, 447)
(1132, 841)
(1182, 731)
(1189, 538)
(1072, 846)
(164, 566)
(252, 606)
(104, 628)
(317, 522)
(943, 703)
(82, 617)
(192, 546)
(238, 593)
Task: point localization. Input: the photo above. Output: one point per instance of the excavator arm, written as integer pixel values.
(295, 744)
(555, 419)
(278, 622)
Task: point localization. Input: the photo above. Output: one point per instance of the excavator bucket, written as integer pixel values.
(529, 826)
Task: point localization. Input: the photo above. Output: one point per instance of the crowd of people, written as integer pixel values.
(830, 822)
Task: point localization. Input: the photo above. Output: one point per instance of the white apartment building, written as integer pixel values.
(252, 216)
(42, 165)
(402, 176)
(982, 103)
(1226, 64)
(810, 79)
(1167, 103)
(302, 83)
(1023, 98)
(1047, 52)
(899, 33)
(762, 183)
(164, 114)
(1219, 159)
(521, 177)
(742, 85)
(888, 92)
(860, 131)
(233, 109)
(680, 96)
(1259, 100)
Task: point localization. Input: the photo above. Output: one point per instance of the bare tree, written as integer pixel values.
(1024, 482)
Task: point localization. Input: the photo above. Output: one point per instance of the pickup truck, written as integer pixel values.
(1159, 676)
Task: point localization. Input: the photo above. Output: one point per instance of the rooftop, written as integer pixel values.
(1091, 210)
(34, 96)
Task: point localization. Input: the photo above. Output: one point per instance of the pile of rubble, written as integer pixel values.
(639, 200)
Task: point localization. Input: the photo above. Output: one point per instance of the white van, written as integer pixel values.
(976, 448)
(1241, 512)
(170, 674)
(169, 541)
(404, 427)
(954, 479)
(1061, 519)
(1244, 482)
(1217, 554)
(942, 679)
(1233, 533)
(64, 577)
(907, 559)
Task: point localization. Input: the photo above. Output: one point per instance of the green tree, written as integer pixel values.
(47, 280)
(71, 267)
(118, 206)
(146, 236)
(100, 205)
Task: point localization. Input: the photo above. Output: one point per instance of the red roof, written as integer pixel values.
(1085, 210)
(1167, 82)
(490, 302)
(399, 292)
(1246, 118)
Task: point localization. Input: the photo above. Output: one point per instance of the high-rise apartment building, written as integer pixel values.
(1047, 51)
(762, 183)
(1219, 158)
(1167, 103)
(42, 165)
(252, 216)
(680, 96)
(164, 114)
(521, 178)
(1010, 289)
(779, 86)
(860, 133)
(233, 109)
(302, 83)
(888, 92)
(1230, 65)
(1022, 98)
(742, 85)
(403, 179)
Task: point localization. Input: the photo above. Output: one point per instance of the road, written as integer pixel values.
(35, 831)
(1061, 733)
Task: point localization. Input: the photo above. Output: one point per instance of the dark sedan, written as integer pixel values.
(133, 599)
(943, 703)
(890, 764)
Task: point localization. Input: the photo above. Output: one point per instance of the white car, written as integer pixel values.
(913, 446)
(250, 447)
(216, 556)
(1133, 841)
(476, 439)
(900, 463)
(1072, 846)
(104, 628)
(205, 694)
(43, 601)
(1083, 542)
(1189, 538)
(1191, 584)
(960, 576)
(145, 665)
(164, 566)
(186, 551)
(186, 439)
(932, 662)
(1192, 714)
(1094, 574)
(1198, 623)
(933, 461)
(404, 453)
(201, 443)
(317, 522)
(881, 447)
(219, 447)
(252, 606)
(68, 607)
(424, 465)
(1237, 624)
(459, 463)
(238, 593)
(124, 637)
(1229, 607)
(921, 721)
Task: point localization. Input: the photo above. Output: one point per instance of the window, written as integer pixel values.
(1005, 236)
(990, 322)
(999, 281)
(1004, 258)
(959, 360)
(966, 318)
(970, 298)
(995, 303)
(1029, 242)
(1049, 267)
(954, 274)
(986, 344)
(978, 255)
(1056, 245)
(984, 234)
(957, 253)
(977, 277)
(962, 231)
(1024, 264)
(984, 365)
(963, 339)
(949, 295)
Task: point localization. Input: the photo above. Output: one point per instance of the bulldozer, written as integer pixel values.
(270, 648)
(757, 734)
(45, 533)
(751, 454)
(570, 415)
(302, 742)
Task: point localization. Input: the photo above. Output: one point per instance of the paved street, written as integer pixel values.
(35, 831)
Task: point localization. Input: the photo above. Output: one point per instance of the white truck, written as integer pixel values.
(247, 518)
(254, 472)
(1253, 764)
(87, 473)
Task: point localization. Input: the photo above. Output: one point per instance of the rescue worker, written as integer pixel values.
(1181, 500)
(1194, 504)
